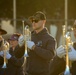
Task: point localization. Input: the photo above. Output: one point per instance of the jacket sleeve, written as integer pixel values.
(47, 53)
(18, 62)
(57, 66)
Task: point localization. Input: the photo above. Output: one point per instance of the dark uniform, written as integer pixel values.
(38, 62)
(57, 66)
(1, 64)
(15, 63)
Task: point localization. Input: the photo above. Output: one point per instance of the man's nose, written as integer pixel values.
(33, 23)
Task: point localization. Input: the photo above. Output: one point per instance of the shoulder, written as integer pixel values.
(51, 40)
(50, 37)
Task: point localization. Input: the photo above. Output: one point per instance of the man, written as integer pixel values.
(72, 54)
(15, 57)
(41, 46)
(2, 32)
(58, 64)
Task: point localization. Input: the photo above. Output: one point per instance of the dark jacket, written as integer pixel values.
(57, 66)
(2, 70)
(38, 62)
(73, 69)
(15, 63)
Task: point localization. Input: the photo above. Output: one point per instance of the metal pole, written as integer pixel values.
(66, 13)
(67, 71)
(23, 27)
(14, 14)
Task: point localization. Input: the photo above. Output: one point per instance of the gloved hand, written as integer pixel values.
(8, 56)
(1, 53)
(30, 44)
(21, 40)
(60, 51)
(5, 46)
(72, 53)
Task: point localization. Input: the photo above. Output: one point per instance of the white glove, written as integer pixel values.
(72, 53)
(60, 51)
(21, 40)
(8, 56)
(30, 44)
(1, 53)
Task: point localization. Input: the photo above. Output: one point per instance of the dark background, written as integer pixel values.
(26, 8)
(54, 10)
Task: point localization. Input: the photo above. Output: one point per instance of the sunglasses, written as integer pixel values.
(36, 21)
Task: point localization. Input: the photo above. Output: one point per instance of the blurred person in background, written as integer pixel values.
(58, 64)
(15, 56)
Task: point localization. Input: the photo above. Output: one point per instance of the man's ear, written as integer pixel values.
(44, 21)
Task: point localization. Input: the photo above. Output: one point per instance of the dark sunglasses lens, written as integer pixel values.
(35, 21)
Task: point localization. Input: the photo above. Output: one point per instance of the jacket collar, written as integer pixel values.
(44, 31)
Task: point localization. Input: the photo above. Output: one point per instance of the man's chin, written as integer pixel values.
(36, 28)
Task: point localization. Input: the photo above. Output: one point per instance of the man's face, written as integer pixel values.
(1, 42)
(13, 43)
(1, 38)
(74, 30)
(37, 25)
